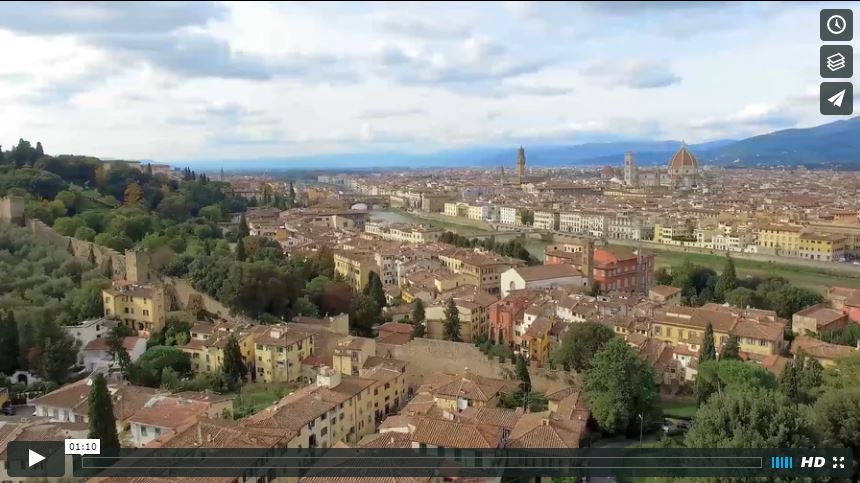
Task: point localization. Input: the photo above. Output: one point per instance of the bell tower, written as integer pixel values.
(521, 164)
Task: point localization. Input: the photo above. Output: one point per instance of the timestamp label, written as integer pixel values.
(82, 446)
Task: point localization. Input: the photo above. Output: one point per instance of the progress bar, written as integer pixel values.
(370, 462)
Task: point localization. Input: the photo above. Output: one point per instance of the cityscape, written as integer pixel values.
(517, 293)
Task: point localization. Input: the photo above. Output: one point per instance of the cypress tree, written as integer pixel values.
(523, 375)
(418, 311)
(9, 345)
(240, 250)
(375, 290)
(234, 368)
(731, 350)
(243, 227)
(452, 321)
(708, 351)
(39, 151)
(727, 280)
(102, 421)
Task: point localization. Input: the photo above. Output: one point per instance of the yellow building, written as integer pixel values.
(456, 209)
(473, 307)
(279, 352)
(354, 266)
(536, 340)
(783, 239)
(389, 384)
(142, 307)
(481, 270)
(454, 393)
(206, 347)
(350, 354)
(337, 408)
(827, 247)
(759, 332)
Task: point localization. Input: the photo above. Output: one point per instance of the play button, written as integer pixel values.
(33, 458)
(36, 459)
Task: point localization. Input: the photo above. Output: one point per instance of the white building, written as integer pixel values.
(509, 215)
(584, 222)
(546, 220)
(541, 276)
(96, 354)
(88, 331)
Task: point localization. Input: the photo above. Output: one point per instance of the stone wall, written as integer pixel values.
(183, 291)
(426, 356)
(80, 249)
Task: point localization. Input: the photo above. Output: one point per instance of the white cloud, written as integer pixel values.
(245, 79)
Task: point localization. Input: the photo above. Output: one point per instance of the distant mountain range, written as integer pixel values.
(836, 144)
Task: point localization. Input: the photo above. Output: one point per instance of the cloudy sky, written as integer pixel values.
(243, 80)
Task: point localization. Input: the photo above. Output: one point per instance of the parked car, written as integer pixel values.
(8, 409)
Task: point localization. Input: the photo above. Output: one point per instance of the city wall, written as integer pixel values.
(426, 356)
(81, 249)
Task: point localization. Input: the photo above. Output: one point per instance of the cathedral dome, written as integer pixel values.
(683, 159)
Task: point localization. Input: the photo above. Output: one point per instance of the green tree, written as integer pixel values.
(212, 213)
(619, 387)
(374, 289)
(58, 356)
(243, 227)
(116, 348)
(9, 343)
(102, 421)
(523, 375)
(801, 379)
(325, 262)
(365, 314)
(147, 371)
(708, 350)
(85, 233)
(303, 306)
(730, 375)
(754, 418)
(452, 321)
(844, 375)
(594, 291)
(39, 151)
(580, 344)
(240, 250)
(837, 419)
(234, 368)
(418, 315)
(742, 297)
(727, 280)
(731, 350)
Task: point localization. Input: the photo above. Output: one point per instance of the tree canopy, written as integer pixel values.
(580, 344)
(619, 386)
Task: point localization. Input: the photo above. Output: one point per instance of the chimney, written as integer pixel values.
(275, 333)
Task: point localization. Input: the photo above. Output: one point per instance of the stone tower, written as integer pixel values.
(12, 210)
(138, 266)
(521, 164)
(588, 259)
(631, 174)
(502, 175)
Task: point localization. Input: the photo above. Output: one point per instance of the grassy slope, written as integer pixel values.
(813, 278)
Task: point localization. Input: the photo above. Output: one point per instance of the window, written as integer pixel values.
(323, 431)
(143, 431)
